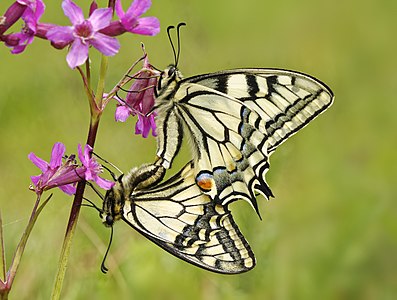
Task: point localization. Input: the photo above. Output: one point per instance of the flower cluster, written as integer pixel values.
(65, 175)
(140, 100)
(98, 30)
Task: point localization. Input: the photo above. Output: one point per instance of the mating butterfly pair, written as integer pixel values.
(234, 120)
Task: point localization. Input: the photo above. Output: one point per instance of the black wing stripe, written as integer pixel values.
(170, 136)
(193, 228)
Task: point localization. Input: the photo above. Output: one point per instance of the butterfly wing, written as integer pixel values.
(182, 220)
(234, 120)
(285, 100)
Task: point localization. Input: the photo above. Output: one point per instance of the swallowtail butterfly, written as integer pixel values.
(234, 120)
(182, 220)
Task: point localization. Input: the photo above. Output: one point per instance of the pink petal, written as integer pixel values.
(40, 163)
(24, 40)
(147, 26)
(89, 175)
(73, 12)
(138, 7)
(100, 18)
(60, 34)
(153, 125)
(107, 45)
(142, 126)
(103, 183)
(122, 113)
(78, 54)
(56, 156)
(80, 153)
(87, 153)
(33, 13)
(40, 8)
(35, 179)
(68, 189)
(119, 9)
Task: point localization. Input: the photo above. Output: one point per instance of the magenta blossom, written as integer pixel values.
(84, 33)
(131, 20)
(56, 174)
(140, 101)
(92, 168)
(65, 175)
(30, 11)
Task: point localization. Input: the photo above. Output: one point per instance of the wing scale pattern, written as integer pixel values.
(234, 121)
(182, 220)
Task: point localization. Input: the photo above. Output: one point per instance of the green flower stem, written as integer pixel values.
(74, 215)
(21, 247)
(96, 111)
(101, 82)
(88, 72)
(2, 256)
(67, 242)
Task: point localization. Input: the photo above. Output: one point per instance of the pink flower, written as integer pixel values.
(131, 21)
(56, 173)
(140, 101)
(92, 168)
(30, 11)
(65, 175)
(84, 33)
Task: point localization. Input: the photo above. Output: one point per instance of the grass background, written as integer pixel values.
(331, 232)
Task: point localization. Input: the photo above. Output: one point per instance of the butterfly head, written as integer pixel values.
(168, 79)
(113, 204)
(171, 75)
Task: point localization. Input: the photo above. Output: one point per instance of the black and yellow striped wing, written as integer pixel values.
(234, 120)
(182, 220)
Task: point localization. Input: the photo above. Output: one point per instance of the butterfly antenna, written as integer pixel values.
(104, 269)
(172, 44)
(91, 204)
(107, 169)
(95, 190)
(179, 41)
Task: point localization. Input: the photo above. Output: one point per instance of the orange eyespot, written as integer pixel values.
(205, 181)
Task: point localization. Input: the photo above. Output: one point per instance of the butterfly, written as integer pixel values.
(234, 120)
(182, 220)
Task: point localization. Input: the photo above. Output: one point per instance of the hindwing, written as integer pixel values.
(182, 220)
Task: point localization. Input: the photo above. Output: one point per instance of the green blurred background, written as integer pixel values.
(331, 232)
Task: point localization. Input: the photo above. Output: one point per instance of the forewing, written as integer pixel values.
(179, 218)
(285, 100)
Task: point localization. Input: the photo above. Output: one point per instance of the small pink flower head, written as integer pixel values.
(55, 173)
(30, 11)
(65, 175)
(92, 168)
(83, 33)
(131, 20)
(140, 101)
